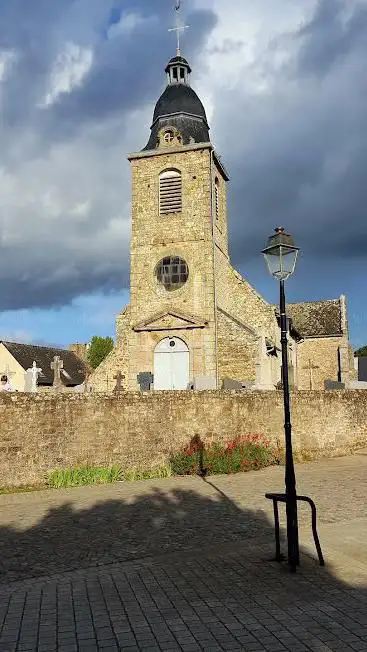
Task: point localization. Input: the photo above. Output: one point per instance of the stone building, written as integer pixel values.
(16, 358)
(192, 318)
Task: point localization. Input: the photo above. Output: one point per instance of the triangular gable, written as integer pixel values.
(171, 320)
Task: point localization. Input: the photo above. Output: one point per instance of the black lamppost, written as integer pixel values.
(281, 256)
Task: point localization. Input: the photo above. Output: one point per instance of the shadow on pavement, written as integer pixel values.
(195, 561)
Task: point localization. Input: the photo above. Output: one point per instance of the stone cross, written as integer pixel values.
(119, 377)
(33, 373)
(56, 366)
(8, 373)
(263, 365)
(310, 368)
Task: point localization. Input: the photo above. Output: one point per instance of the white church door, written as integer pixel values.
(171, 364)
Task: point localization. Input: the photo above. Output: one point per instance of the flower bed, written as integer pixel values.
(244, 453)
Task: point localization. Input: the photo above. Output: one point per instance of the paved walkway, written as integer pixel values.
(183, 564)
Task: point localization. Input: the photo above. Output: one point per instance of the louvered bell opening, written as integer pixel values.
(170, 193)
(216, 190)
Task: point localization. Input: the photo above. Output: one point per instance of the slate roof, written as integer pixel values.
(178, 59)
(180, 107)
(179, 98)
(74, 371)
(316, 318)
(192, 130)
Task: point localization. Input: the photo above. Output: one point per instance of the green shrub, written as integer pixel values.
(240, 454)
(131, 475)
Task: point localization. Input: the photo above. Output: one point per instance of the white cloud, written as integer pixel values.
(70, 68)
(7, 58)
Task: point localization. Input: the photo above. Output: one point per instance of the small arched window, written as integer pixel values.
(216, 198)
(170, 192)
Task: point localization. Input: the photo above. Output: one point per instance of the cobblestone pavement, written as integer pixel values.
(183, 564)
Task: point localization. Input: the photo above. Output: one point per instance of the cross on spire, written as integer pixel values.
(179, 27)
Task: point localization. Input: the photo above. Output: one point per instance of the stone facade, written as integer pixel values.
(186, 234)
(216, 313)
(42, 432)
(228, 329)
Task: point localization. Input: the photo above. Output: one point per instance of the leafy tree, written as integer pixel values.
(98, 350)
(362, 352)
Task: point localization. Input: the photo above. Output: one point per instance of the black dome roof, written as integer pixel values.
(179, 98)
(178, 59)
(179, 107)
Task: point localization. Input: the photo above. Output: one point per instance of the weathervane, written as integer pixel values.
(179, 28)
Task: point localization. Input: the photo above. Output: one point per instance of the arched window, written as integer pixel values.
(216, 198)
(170, 192)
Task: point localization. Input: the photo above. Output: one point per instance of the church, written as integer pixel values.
(193, 322)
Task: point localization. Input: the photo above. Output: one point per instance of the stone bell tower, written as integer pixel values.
(178, 214)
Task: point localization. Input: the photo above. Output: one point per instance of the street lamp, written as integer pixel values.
(281, 256)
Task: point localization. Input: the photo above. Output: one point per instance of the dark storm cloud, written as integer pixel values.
(57, 157)
(40, 290)
(298, 151)
(129, 69)
(331, 36)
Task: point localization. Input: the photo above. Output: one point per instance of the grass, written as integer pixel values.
(244, 453)
(88, 475)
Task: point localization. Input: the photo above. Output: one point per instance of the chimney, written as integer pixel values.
(80, 350)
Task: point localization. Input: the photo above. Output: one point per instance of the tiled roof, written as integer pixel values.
(73, 373)
(316, 318)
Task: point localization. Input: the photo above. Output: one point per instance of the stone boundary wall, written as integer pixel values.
(42, 432)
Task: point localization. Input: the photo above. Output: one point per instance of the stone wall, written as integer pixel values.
(43, 432)
(238, 349)
(236, 297)
(323, 354)
(103, 378)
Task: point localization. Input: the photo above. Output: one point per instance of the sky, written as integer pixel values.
(285, 89)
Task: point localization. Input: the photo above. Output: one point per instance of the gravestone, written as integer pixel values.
(229, 383)
(118, 378)
(333, 384)
(32, 377)
(80, 389)
(145, 380)
(362, 369)
(56, 366)
(204, 382)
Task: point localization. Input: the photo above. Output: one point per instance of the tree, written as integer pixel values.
(362, 352)
(98, 350)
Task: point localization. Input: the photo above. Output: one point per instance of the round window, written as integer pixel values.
(169, 136)
(172, 272)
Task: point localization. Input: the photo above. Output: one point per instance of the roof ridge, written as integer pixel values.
(36, 346)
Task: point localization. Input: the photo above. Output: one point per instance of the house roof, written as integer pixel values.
(316, 318)
(73, 373)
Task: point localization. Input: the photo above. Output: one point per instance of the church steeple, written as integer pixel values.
(179, 116)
